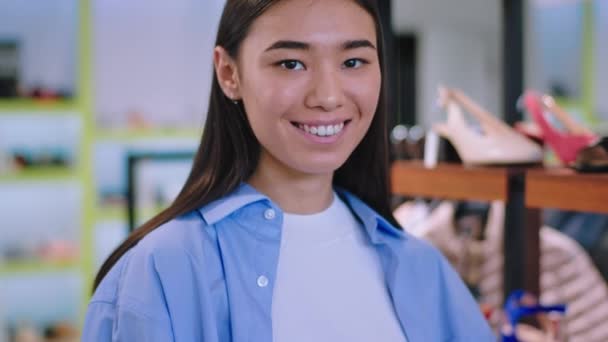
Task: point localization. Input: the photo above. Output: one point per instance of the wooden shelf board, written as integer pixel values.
(567, 190)
(449, 181)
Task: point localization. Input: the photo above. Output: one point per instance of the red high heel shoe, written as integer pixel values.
(565, 144)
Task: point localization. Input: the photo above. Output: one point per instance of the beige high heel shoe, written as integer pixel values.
(496, 144)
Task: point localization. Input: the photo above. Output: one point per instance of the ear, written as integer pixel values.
(227, 73)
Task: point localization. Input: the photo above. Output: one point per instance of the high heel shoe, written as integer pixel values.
(593, 158)
(531, 131)
(497, 144)
(565, 144)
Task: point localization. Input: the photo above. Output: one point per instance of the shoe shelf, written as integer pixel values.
(457, 182)
(41, 174)
(525, 190)
(36, 267)
(110, 213)
(567, 190)
(557, 188)
(147, 133)
(449, 181)
(52, 106)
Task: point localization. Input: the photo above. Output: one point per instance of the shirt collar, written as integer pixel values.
(375, 225)
(217, 210)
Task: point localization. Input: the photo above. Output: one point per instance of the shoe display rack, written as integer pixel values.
(35, 291)
(50, 285)
(525, 190)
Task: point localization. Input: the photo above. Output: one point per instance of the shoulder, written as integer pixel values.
(180, 234)
(422, 254)
(153, 258)
(408, 248)
(421, 247)
(173, 249)
(164, 248)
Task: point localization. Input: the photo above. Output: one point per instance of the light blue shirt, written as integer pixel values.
(209, 276)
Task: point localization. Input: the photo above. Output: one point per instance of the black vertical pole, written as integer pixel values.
(532, 248)
(513, 57)
(512, 31)
(522, 225)
(514, 233)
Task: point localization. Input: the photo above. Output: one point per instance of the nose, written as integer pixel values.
(325, 90)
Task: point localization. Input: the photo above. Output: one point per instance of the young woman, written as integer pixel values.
(283, 230)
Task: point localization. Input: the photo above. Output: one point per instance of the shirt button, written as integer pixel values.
(269, 214)
(262, 281)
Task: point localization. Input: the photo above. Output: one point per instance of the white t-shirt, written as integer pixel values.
(330, 285)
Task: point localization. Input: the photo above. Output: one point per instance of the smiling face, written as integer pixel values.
(308, 74)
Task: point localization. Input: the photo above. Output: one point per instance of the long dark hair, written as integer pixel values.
(229, 152)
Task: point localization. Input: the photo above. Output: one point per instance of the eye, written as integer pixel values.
(354, 63)
(291, 64)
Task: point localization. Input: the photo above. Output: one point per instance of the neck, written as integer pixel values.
(293, 191)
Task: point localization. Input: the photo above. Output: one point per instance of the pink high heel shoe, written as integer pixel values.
(566, 145)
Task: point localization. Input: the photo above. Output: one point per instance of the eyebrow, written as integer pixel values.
(295, 45)
(355, 44)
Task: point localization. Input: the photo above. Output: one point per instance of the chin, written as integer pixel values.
(319, 167)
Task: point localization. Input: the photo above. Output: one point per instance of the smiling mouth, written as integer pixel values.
(321, 130)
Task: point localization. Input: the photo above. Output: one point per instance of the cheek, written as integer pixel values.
(366, 93)
(269, 96)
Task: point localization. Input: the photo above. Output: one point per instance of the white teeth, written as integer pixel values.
(322, 131)
(338, 128)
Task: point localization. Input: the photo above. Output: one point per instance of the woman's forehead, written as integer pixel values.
(316, 22)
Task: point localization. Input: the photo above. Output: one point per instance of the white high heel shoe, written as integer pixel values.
(496, 144)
